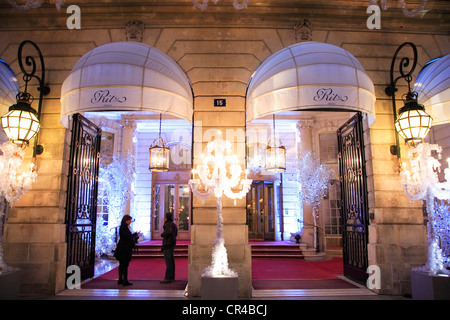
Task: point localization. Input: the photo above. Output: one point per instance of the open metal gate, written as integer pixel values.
(354, 205)
(82, 187)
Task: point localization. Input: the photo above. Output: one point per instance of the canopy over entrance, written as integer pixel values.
(126, 76)
(310, 75)
(9, 88)
(433, 88)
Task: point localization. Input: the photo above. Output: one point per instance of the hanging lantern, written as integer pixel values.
(275, 154)
(275, 158)
(159, 153)
(413, 123)
(21, 123)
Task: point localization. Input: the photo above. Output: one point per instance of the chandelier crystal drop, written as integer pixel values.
(16, 178)
(202, 5)
(34, 4)
(409, 13)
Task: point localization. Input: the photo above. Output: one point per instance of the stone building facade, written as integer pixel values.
(219, 49)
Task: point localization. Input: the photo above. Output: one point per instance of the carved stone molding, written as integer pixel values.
(305, 123)
(303, 31)
(128, 123)
(134, 30)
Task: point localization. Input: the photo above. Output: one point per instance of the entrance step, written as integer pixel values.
(149, 250)
(276, 250)
(260, 250)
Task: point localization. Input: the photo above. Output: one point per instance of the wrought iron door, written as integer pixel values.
(354, 206)
(82, 187)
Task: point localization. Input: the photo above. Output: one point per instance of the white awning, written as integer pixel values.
(433, 88)
(9, 87)
(310, 75)
(126, 76)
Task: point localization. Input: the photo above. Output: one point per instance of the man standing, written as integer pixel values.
(168, 245)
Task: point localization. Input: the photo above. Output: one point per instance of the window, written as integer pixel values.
(328, 148)
(332, 210)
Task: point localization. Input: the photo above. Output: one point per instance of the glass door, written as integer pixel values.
(174, 198)
(261, 211)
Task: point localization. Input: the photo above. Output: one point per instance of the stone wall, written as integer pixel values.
(219, 60)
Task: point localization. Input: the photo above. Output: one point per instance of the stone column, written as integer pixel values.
(35, 234)
(128, 129)
(304, 127)
(204, 214)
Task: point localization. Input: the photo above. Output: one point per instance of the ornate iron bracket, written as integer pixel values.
(391, 89)
(29, 72)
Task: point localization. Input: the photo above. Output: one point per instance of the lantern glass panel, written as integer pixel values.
(275, 159)
(20, 126)
(159, 158)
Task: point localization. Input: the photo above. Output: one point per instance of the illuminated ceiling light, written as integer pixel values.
(275, 154)
(159, 153)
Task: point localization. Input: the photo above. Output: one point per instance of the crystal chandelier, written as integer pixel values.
(219, 174)
(275, 154)
(406, 12)
(15, 180)
(159, 153)
(33, 4)
(236, 4)
(421, 182)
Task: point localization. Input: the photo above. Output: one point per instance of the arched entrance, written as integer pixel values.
(152, 91)
(312, 89)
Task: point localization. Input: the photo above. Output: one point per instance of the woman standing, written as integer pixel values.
(124, 249)
(168, 245)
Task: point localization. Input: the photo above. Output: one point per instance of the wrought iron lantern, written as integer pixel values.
(21, 123)
(413, 123)
(275, 154)
(159, 153)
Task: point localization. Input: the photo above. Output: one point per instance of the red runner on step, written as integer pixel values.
(266, 274)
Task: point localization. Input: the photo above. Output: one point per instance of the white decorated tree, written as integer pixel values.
(115, 186)
(314, 178)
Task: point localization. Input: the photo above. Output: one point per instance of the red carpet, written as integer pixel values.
(289, 284)
(296, 269)
(270, 274)
(267, 274)
(137, 284)
(144, 274)
(150, 269)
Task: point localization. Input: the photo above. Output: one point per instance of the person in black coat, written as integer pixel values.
(124, 249)
(168, 245)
